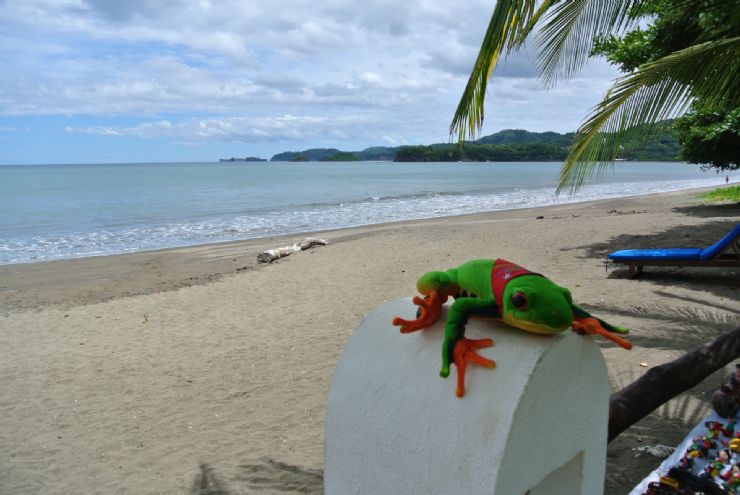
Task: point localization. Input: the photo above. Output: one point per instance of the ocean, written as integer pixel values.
(65, 211)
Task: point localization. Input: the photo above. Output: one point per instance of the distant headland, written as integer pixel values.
(510, 145)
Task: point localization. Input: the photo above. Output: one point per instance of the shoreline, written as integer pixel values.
(46, 248)
(166, 371)
(89, 279)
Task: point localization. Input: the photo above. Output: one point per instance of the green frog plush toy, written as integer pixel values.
(503, 290)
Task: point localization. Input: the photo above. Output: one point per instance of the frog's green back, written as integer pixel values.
(474, 277)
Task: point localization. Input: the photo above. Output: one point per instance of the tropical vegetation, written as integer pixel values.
(723, 195)
(510, 145)
(333, 154)
(677, 55)
(516, 145)
(529, 152)
(708, 134)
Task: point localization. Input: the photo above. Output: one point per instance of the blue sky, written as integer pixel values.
(98, 81)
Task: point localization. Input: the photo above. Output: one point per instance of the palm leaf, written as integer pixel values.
(534, 20)
(564, 44)
(567, 36)
(508, 20)
(657, 90)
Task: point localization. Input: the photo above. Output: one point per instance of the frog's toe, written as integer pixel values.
(464, 353)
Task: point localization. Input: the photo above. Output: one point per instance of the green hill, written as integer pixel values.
(520, 136)
(515, 145)
(312, 155)
(510, 145)
(375, 153)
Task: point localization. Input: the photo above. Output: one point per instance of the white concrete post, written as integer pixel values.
(536, 424)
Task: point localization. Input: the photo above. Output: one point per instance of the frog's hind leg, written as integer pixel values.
(429, 310)
(585, 323)
(460, 350)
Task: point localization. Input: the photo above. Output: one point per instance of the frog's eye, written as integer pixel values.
(519, 300)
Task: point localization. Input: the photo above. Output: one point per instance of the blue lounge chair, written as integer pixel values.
(725, 252)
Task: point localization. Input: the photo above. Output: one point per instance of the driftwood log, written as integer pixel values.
(273, 254)
(662, 383)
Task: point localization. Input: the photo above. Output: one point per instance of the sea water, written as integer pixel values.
(66, 211)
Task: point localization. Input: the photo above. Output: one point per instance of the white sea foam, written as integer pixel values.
(310, 217)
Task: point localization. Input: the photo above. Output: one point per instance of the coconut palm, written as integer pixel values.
(566, 30)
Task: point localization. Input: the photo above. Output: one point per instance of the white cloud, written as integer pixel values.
(401, 66)
(371, 78)
(242, 129)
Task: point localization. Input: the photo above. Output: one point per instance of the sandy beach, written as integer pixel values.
(197, 370)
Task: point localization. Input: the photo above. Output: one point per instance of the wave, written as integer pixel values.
(311, 217)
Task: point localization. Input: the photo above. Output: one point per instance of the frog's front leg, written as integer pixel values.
(429, 310)
(460, 350)
(436, 288)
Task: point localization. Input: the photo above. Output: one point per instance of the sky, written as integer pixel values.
(112, 81)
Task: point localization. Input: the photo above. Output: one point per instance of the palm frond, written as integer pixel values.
(507, 21)
(564, 44)
(567, 36)
(656, 91)
(534, 20)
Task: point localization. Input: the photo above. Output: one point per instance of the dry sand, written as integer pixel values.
(195, 370)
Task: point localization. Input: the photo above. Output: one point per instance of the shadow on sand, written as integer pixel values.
(207, 483)
(679, 322)
(710, 211)
(673, 327)
(266, 475)
(723, 282)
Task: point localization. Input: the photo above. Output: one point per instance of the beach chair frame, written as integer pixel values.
(728, 257)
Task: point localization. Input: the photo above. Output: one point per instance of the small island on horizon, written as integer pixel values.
(510, 145)
(245, 159)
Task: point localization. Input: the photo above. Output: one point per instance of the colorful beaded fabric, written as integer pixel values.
(709, 465)
(708, 461)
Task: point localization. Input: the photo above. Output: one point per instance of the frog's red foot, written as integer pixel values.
(591, 325)
(464, 353)
(429, 310)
